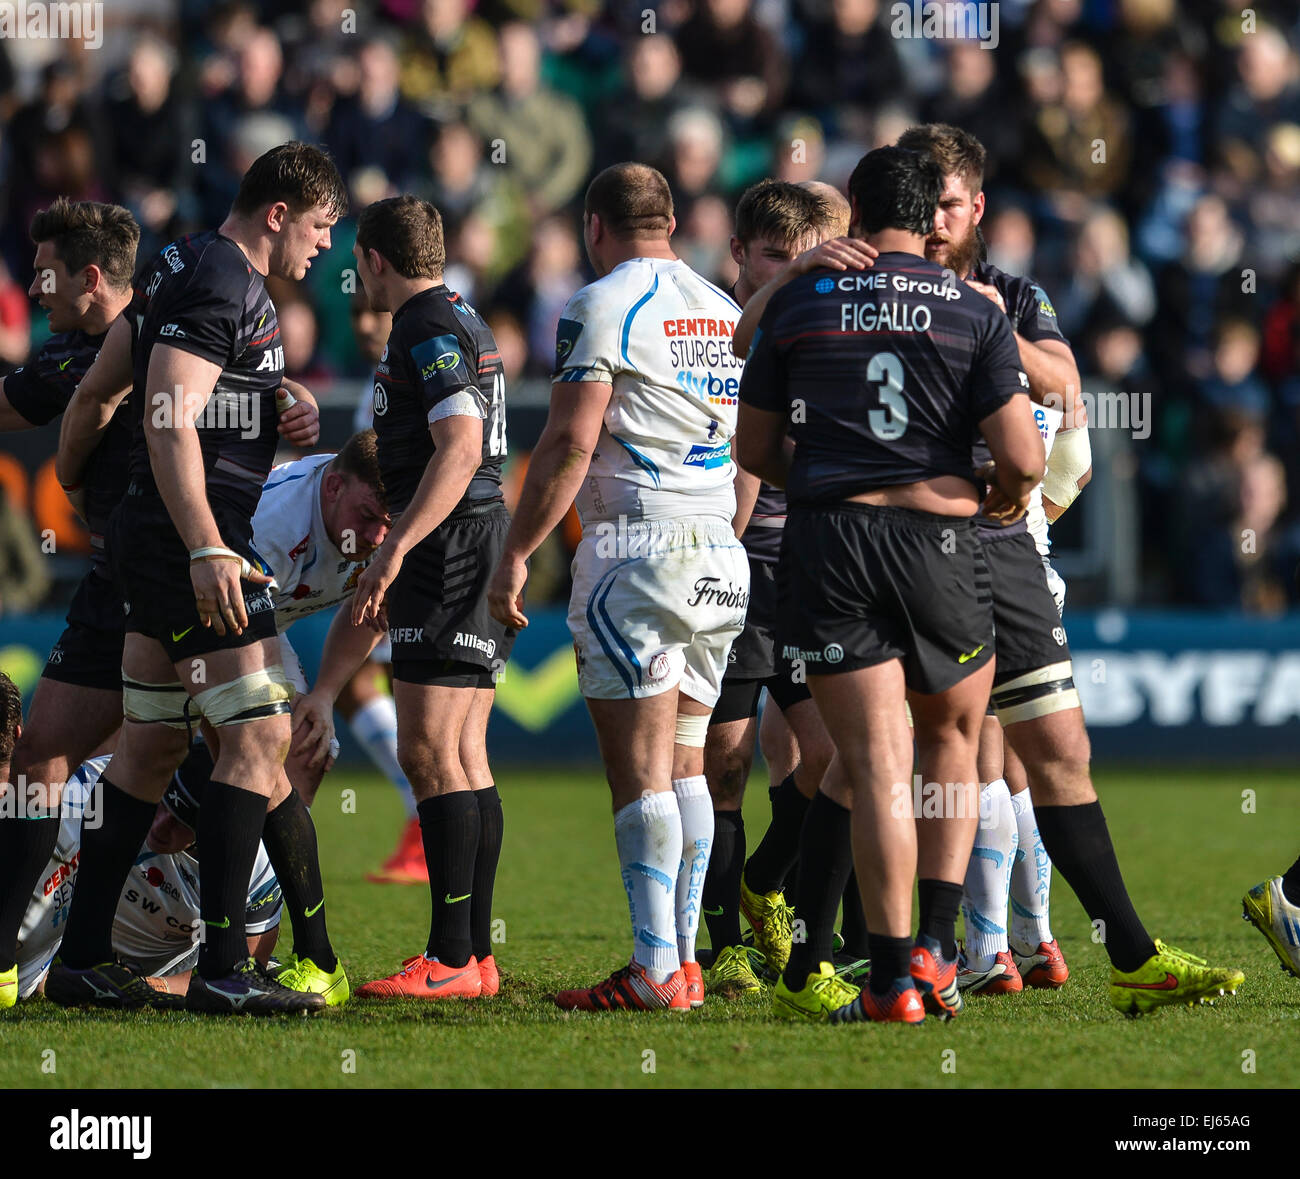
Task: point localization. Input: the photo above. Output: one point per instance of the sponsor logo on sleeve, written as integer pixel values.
(438, 355)
(567, 332)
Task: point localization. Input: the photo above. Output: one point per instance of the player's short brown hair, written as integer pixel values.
(360, 459)
(408, 232)
(778, 211)
(956, 151)
(11, 716)
(632, 201)
(297, 173)
(86, 233)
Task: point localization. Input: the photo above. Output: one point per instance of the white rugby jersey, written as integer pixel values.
(1048, 421)
(155, 927)
(289, 535)
(661, 335)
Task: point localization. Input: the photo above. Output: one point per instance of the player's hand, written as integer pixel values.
(505, 592)
(300, 423)
(840, 253)
(990, 292)
(998, 506)
(313, 729)
(369, 601)
(218, 595)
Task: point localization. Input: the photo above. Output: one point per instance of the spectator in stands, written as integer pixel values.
(1273, 203)
(377, 128)
(1265, 94)
(547, 146)
(448, 58)
(695, 145)
(1196, 291)
(466, 185)
(725, 48)
(848, 59)
(973, 99)
(1102, 267)
(535, 292)
(633, 124)
(148, 140)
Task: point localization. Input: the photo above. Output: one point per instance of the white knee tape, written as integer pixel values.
(160, 704)
(251, 697)
(692, 730)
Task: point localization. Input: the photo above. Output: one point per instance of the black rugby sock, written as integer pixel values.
(107, 852)
(290, 839)
(891, 959)
(940, 900)
(1078, 842)
(26, 846)
(491, 830)
(721, 897)
(775, 855)
(825, 861)
(449, 825)
(853, 924)
(232, 825)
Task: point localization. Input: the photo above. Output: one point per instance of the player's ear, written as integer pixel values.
(277, 216)
(332, 487)
(91, 277)
(978, 204)
(672, 225)
(737, 252)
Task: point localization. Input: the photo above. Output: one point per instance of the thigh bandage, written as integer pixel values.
(250, 697)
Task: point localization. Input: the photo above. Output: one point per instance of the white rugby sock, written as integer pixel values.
(1031, 881)
(988, 877)
(649, 837)
(696, 809)
(374, 725)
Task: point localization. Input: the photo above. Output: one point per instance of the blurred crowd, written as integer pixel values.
(1144, 167)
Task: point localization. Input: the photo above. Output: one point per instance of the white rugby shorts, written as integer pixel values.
(657, 605)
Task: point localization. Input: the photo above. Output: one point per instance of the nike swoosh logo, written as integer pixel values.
(433, 986)
(224, 923)
(714, 912)
(1169, 984)
(449, 899)
(313, 912)
(966, 658)
(176, 638)
(65, 364)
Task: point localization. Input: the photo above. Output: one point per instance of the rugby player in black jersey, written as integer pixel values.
(85, 255)
(440, 420)
(882, 379)
(206, 367)
(775, 221)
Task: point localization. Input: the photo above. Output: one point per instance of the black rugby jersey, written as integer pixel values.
(201, 295)
(1032, 315)
(885, 374)
(440, 360)
(41, 390)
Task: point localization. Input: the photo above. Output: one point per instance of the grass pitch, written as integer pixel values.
(1188, 849)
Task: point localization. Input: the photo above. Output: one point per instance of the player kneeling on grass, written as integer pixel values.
(640, 430)
(156, 924)
(439, 402)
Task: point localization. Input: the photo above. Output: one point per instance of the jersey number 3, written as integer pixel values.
(886, 371)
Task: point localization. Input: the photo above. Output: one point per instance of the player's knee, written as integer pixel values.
(727, 775)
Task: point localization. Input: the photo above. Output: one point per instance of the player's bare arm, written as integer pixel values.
(761, 444)
(347, 647)
(555, 472)
(300, 423)
(177, 461)
(746, 496)
(459, 453)
(1018, 459)
(840, 253)
(106, 382)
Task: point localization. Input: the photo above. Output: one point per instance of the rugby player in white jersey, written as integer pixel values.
(643, 410)
(157, 920)
(317, 522)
